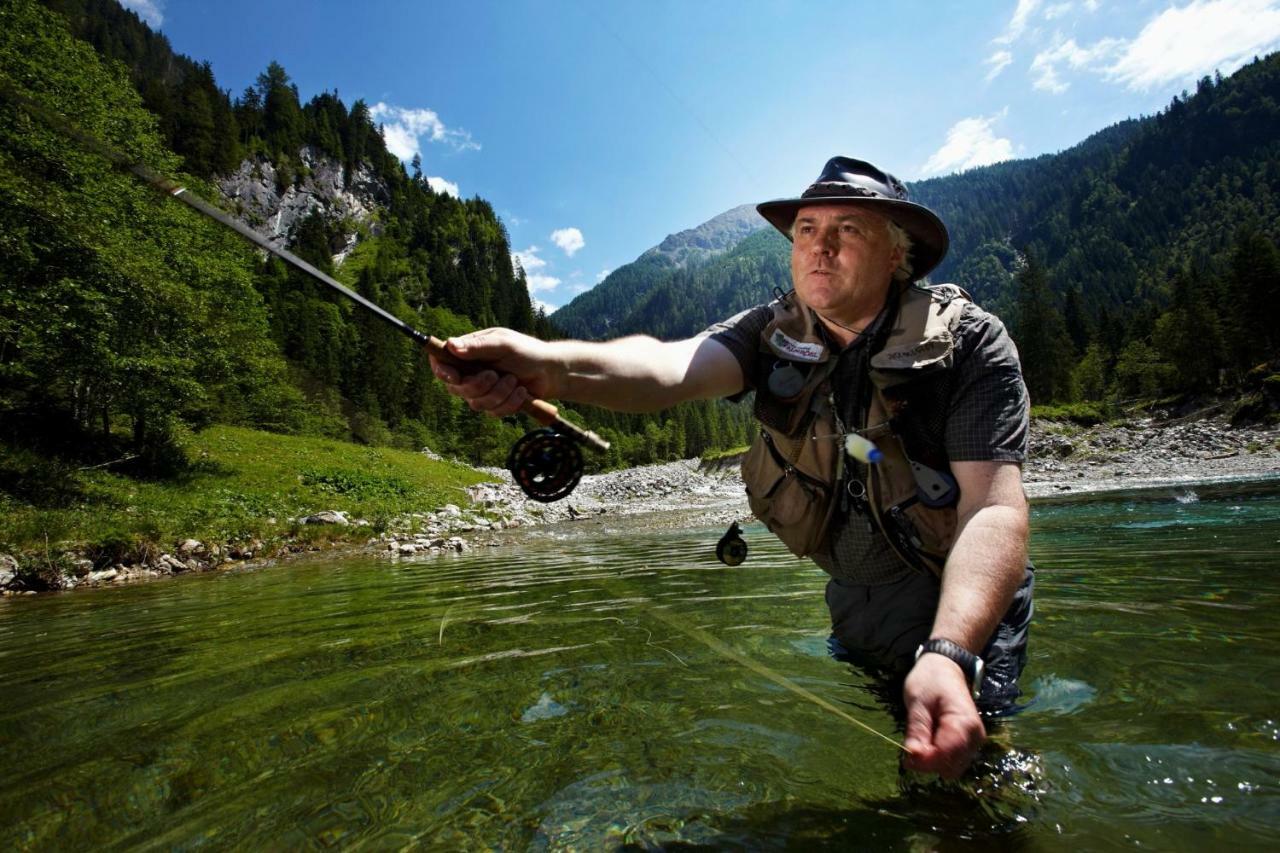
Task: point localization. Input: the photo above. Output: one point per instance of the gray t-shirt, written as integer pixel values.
(976, 411)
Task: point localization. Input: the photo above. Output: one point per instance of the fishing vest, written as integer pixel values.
(795, 469)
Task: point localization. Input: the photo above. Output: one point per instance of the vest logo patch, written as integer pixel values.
(797, 350)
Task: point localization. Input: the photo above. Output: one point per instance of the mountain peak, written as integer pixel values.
(713, 237)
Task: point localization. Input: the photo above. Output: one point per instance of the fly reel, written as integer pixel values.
(546, 464)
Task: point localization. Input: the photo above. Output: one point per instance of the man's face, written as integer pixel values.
(842, 260)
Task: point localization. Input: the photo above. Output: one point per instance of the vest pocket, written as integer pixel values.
(795, 506)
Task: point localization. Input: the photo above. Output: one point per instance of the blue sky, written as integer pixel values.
(595, 129)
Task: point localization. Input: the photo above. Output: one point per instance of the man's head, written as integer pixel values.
(856, 184)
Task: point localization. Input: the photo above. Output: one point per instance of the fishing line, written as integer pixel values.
(544, 467)
(760, 669)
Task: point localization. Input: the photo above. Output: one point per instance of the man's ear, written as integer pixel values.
(896, 259)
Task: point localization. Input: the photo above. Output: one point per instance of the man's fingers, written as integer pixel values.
(947, 750)
(444, 373)
(482, 345)
(501, 397)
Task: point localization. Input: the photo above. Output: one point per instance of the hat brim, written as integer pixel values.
(929, 238)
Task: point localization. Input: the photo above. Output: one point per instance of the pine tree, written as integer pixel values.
(1254, 286)
(1041, 336)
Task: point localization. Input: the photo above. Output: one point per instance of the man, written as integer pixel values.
(954, 417)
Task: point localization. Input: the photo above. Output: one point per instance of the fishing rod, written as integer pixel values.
(546, 463)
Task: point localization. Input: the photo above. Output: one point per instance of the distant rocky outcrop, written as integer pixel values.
(713, 237)
(254, 191)
(599, 312)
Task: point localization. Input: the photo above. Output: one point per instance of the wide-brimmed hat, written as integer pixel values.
(848, 181)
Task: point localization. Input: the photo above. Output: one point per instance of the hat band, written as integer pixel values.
(839, 188)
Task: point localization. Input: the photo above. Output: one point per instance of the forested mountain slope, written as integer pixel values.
(602, 311)
(127, 323)
(1177, 211)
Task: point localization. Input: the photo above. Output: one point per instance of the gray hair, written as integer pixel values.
(900, 240)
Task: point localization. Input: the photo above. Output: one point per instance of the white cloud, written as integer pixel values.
(1057, 10)
(602, 275)
(568, 239)
(440, 185)
(1180, 43)
(970, 142)
(1091, 5)
(538, 283)
(1044, 68)
(1018, 23)
(151, 11)
(998, 62)
(546, 307)
(1185, 42)
(528, 259)
(403, 130)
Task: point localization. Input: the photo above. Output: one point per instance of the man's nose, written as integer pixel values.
(827, 241)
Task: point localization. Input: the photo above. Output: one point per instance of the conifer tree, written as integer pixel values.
(1041, 336)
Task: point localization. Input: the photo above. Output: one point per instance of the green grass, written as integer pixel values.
(1084, 414)
(242, 484)
(713, 455)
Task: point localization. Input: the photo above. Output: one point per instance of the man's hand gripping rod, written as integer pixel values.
(541, 461)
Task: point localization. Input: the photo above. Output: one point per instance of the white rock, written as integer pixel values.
(104, 576)
(8, 570)
(328, 516)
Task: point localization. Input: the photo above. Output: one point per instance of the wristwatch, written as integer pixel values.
(969, 663)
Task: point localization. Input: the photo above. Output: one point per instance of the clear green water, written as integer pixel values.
(527, 699)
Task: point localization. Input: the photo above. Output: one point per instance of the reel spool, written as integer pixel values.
(546, 464)
(731, 549)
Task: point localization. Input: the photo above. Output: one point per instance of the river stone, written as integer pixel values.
(188, 546)
(8, 570)
(408, 548)
(104, 576)
(327, 516)
(544, 709)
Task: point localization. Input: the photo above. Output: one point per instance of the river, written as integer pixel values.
(554, 695)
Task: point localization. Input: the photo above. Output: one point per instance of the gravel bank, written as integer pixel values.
(1063, 459)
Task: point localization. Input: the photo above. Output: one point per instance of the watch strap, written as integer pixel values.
(969, 663)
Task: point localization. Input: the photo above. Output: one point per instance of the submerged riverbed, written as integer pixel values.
(543, 696)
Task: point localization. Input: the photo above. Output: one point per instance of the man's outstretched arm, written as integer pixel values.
(633, 374)
(983, 571)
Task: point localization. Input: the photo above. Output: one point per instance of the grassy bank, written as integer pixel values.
(241, 485)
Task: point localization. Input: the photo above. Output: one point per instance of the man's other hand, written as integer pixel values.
(944, 730)
(513, 368)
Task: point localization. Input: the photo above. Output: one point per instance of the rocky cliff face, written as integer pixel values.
(252, 189)
(713, 237)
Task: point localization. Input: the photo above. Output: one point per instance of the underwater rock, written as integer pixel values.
(544, 709)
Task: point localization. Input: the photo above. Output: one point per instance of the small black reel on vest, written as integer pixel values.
(545, 464)
(731, 549)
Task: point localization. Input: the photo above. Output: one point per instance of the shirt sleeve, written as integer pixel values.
(740, 334)
(989, 409)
